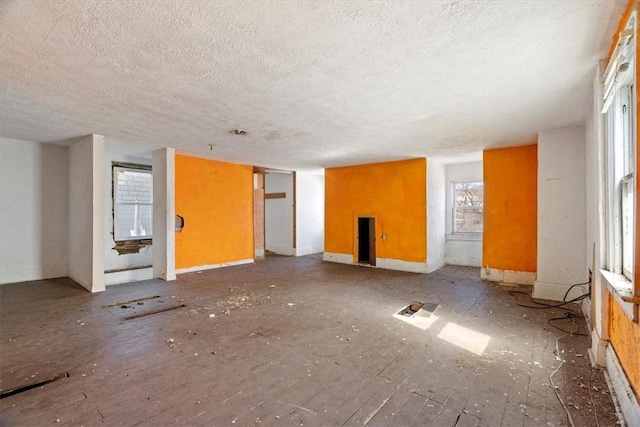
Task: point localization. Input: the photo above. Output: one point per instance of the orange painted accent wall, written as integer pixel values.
(625, 338)
(216, 201)
(511, 208)
(395, 193)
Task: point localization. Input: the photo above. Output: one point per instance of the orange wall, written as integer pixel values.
(216, 201)
(510, 208)
(625, 338)
(394, 193)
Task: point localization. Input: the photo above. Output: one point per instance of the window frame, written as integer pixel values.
(620, 151)
(455, 208)
(115, 166)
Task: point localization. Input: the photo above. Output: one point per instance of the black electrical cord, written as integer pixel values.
(545, 306)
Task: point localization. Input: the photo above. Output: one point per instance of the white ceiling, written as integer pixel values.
(315, 84)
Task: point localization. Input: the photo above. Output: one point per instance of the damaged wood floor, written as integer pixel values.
(291, 342)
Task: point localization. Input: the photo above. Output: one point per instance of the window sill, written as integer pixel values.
(619, 286)
(468, 237)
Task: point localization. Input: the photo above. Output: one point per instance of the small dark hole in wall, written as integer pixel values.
(179, 223)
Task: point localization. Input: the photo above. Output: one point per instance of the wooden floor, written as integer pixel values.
(293, 342)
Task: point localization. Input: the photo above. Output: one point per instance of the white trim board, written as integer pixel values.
(465, 261)
(127, 276)
(384, 263)
(508, 276)
(36, 272)
(622, 392)
(556, 291)
(212, 266)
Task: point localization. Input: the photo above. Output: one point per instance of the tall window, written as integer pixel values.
(132, 202)
(468, 207)
(619, 102)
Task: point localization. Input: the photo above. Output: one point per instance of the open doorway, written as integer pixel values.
(367, 240)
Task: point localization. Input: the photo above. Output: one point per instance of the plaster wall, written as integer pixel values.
(216, 200)
(86, 212)
(278, 214)
(395, 194)
(164, 214)
(562, 246)
(509, 245)
(436, 202)
(309, 213)
(34, 211)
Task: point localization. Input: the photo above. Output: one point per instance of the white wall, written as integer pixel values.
(461, 249)
(112, 260)
(562, 253)
(436, 223)
(164, 214)
(309, 213)
(278, 214)
(34, 223)
(86, 212)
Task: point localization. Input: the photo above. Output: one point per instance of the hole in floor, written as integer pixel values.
(425, 309)
(411, 309)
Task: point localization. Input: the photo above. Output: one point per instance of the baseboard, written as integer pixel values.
(29, 273)
(384, 263)
(508, 276)
(556, 291)
(399, 265)
(339, 258)
(622, 392)
(127, 276)
(308, 250)
(434, 265)
(467, 262)
(282, 250)
(212, 266)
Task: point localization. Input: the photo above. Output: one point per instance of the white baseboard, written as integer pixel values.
(508, 276)
(336, 257)
(556, 291)
(127, 276)
(308, 250)
(385, 263)
(212, 266)
(36, 272)
(467, 262)
(433, 265)
(622, 391)
(396, 264)
(282, 250)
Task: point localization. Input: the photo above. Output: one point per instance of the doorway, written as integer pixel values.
(367, 240)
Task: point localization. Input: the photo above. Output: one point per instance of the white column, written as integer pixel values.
(562, 246)
(164, 242)
(86, 212)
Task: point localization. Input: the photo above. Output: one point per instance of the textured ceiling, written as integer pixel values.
(315, 84)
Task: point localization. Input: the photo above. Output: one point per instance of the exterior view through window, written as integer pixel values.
(468, 207)
(132, 203)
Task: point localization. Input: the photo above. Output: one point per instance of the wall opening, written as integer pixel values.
(367, 240)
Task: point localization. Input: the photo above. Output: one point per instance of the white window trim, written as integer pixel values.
(619, 282)
(130, 167)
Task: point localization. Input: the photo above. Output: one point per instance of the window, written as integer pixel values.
(132, 202)
(468, 207)
(619, 102)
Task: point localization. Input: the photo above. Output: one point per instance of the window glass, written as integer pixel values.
(468, 207)
(133, 203)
